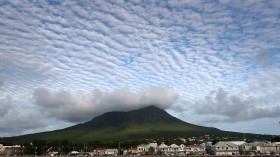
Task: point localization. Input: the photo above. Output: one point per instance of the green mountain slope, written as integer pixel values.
(149, 122)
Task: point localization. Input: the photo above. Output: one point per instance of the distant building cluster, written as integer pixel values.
(222, 148)
(171, 150)
(14, 150)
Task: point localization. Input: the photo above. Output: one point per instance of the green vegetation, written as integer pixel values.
(147, 123)
(275, 139)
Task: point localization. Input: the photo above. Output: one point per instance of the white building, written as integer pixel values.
(182, 150)
(74, 153)
(239, 143)
(143, 148)
(247, 149)
(267, 148)
(14, 150)
(111, 152)
(195, 150)
(151, 145)
(173, 149)
(225, 148)
(162, 148)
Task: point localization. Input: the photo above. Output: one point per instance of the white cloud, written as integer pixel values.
(14, 120)
(265, 57)
(1, 83)
(5, 106)
(237, 108)
(79, 106)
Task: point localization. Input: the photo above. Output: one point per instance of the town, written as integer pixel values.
(183, 147)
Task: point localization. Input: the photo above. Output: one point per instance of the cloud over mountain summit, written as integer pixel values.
(79, 106)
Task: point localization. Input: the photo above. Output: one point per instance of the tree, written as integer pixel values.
(64, 142)
(151, 151)
(159, 152)
(275, 139)
(215, 141)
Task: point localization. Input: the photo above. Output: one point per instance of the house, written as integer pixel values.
(225, 148)
(74, 153)
(207, 147)
(239, 143)
(53, 153)
(183, 140)
(162, 148)
(195, 150)
(173, 149)
(134, 150)
(192, 139)
(111, 152)
(141, 149)
(247, 149)
(153, 147)
(15, 150)
(99, 151)
(267, 148)
(182, 150)
(144, 148)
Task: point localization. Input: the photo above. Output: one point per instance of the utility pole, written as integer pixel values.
(119, 148)
(84, 146)
(23, 149)
(35, 151)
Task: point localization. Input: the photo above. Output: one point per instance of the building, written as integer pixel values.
(99, 151)
(225, 148)
(173, 149)
(182, 150)
(133, 150)
(247, 149)
(53, 153)
(239, 143)
(267, 148)
(195, 150)
(111, 152)
(15, 150)
(141, 149)
(144, 148)
(162, 148)
(74, 153)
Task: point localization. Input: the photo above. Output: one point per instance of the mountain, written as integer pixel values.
(150, 122)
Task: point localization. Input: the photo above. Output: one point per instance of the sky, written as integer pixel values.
(210, 63)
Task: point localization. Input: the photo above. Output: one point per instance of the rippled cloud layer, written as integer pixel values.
(89, 57)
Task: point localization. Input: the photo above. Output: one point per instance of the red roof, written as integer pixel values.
(142, 145)
(100, 148)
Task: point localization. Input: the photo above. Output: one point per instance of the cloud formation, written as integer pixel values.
(265, 57)
(192, 46)
(1, 83)
(5, 106)
(14, 120)
(79, 106)
(235, 108)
